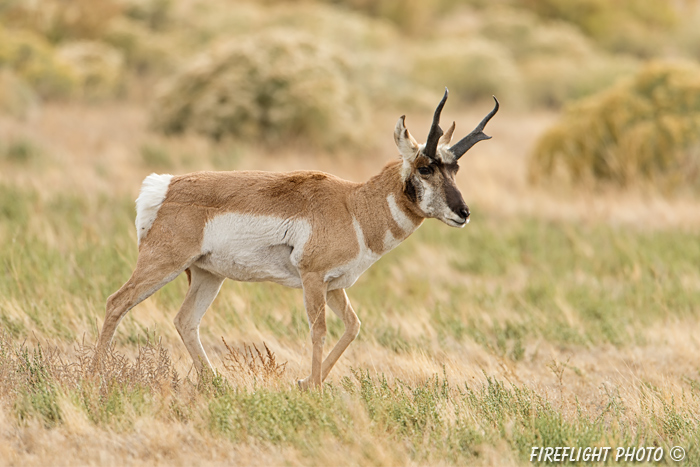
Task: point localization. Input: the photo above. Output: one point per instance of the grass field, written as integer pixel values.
(559, 317)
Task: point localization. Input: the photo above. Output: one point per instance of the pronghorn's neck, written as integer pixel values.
(383, 211)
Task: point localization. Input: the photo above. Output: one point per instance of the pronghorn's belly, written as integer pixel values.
(252, 248)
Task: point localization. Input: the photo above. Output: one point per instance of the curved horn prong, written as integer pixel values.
(475, 136)
(435, 130)
(447, 137)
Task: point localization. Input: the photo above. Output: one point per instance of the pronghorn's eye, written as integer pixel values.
(425, 170)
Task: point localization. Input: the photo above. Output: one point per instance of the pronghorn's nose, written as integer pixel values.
(464, 212)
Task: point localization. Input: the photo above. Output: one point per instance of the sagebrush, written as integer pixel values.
(644, 129)
(281, 85)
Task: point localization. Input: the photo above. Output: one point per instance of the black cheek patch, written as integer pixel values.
(454, 198)
(410, 191)
(452, 194)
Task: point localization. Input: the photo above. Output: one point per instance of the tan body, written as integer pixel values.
(307, 230)
(302, 222)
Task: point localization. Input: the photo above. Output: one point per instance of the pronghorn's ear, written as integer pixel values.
(408, 146)
(447, 137)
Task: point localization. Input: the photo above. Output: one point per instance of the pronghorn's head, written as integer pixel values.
(429, 169)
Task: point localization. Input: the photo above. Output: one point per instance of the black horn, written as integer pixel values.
(475, 136)
(435, 130)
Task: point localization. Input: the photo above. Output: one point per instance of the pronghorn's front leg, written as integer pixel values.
(315, 303)
(339, 303)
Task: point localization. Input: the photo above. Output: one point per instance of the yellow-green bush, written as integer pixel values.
(33, 59)
(645, 128)
(274, 86)
(98, 68)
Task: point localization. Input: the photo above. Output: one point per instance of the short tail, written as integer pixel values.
(153, 191)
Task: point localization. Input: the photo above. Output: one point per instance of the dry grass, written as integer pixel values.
(249, 363)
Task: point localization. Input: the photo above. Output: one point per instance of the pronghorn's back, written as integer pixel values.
(257, 192)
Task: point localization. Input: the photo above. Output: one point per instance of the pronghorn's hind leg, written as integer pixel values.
(204, 287)
(155, 267)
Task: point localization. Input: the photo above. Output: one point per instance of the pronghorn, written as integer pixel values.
(304, 229)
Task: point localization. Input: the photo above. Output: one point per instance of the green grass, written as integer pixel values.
(616, 282)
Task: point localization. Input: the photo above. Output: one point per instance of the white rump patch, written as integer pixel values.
(153, 191)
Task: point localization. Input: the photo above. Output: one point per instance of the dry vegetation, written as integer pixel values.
(564, 314)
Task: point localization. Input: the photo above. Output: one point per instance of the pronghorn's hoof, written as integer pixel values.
(306, 384)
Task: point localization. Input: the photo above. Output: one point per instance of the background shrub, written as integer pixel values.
(97, 67)
(33, 59)
(645, 128)
(274, 86)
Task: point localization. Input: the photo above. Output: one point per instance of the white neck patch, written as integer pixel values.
(399, 216)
